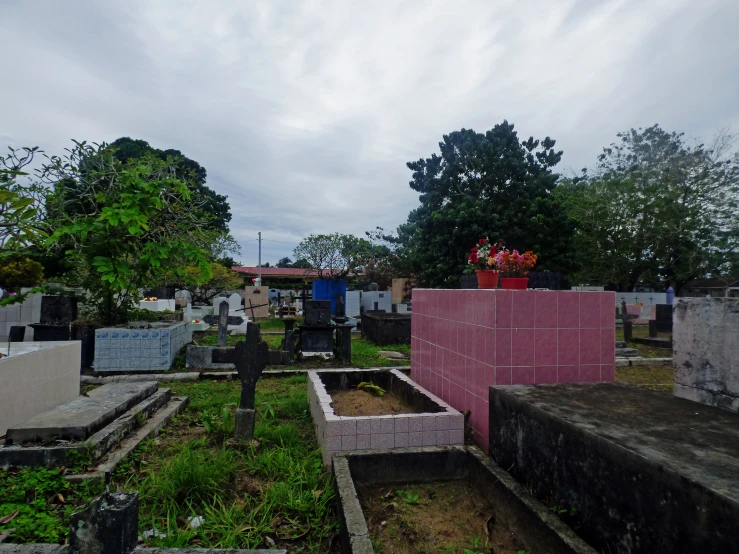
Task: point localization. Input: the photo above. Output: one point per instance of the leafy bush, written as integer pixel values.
(20, 272)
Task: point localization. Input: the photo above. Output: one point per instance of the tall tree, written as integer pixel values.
(485, 185)
(284, 262)
(656, 210)
(335, 256)
(214, 204)
(137, 225)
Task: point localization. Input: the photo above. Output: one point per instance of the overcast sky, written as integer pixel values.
(305, 114)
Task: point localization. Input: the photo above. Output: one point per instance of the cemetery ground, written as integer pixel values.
(645, 351)
(272, 490)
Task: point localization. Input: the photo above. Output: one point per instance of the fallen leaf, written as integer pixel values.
(181, 521)
(317, 494)
(60, 497)
(388, 495)
(8, 518)
(269, 540)
(275, 522)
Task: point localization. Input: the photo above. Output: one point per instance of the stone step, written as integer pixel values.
(626, 352)
(80, 418)
(621, 344)
(57, 453)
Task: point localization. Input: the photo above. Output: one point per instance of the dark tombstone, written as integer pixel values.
(222, 323)
(652, 328)
(251, 358)
(317, 312)
(626, 318)
(17, 333)
(346, 344)
(58, 310)
(468, 281)
(663, 317)
(340, 310)
(108, 525)
(85, 333)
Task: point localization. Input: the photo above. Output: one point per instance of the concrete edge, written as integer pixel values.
(521, 509)
(352, 525)
(529, 509)
(215, 375)
(643, 362)
(149, 429)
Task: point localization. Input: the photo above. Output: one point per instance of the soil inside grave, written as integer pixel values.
(355, 402)
(446, 517)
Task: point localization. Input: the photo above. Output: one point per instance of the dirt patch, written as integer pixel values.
(362, 403)
(446, 517)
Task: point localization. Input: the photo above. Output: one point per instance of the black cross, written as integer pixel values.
(251, 356)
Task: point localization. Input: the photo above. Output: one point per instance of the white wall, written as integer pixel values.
(646, 298)
(37, 377)
(23, 313)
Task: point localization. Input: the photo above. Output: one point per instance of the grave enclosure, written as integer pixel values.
(463, 341)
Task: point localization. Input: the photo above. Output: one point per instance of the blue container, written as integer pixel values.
(329, 289)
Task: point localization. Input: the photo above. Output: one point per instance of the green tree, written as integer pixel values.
(335, 256)
(202, 288)
(284, 262)
(137, 226)
(485, 185)
(21, 205)
(656, 210)
(214, 204)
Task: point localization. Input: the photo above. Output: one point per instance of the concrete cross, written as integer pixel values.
(251, 356)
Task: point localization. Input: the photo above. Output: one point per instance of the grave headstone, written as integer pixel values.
(251, 356)
(108, 525)
(235, 302)
(222, 324)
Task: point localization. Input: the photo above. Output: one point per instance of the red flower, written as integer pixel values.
(474, 249)
(483, 242)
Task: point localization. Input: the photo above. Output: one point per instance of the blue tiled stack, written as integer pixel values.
(139, 349)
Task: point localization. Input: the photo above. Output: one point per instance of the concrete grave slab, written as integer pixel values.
(80, 418)
(706, 351)
(630, 460)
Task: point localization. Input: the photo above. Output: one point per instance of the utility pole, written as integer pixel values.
(260, 259)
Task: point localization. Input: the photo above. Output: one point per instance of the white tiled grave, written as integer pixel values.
(440, 425)
(121, 349)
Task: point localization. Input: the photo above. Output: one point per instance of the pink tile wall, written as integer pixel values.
(463, 341)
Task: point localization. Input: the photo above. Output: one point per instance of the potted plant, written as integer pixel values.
(514, 267)
(482, 259)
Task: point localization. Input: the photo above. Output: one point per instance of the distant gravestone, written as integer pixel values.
(235, 302)
(222, 324)
(251, 356)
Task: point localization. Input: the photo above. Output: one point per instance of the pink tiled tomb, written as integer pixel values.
(463, 341)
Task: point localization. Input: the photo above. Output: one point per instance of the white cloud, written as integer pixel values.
(305, 113)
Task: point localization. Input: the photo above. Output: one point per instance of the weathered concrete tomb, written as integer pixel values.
(706, 351)
(643, 471)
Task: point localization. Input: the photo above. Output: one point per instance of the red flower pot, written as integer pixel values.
(487, 279)
(517, 283)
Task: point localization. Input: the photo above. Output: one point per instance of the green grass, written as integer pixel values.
(274, 486)
(645, 351)
(657, 378)
(43, 501)
(274, 324)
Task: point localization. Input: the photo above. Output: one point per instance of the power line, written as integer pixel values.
(280, 241)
